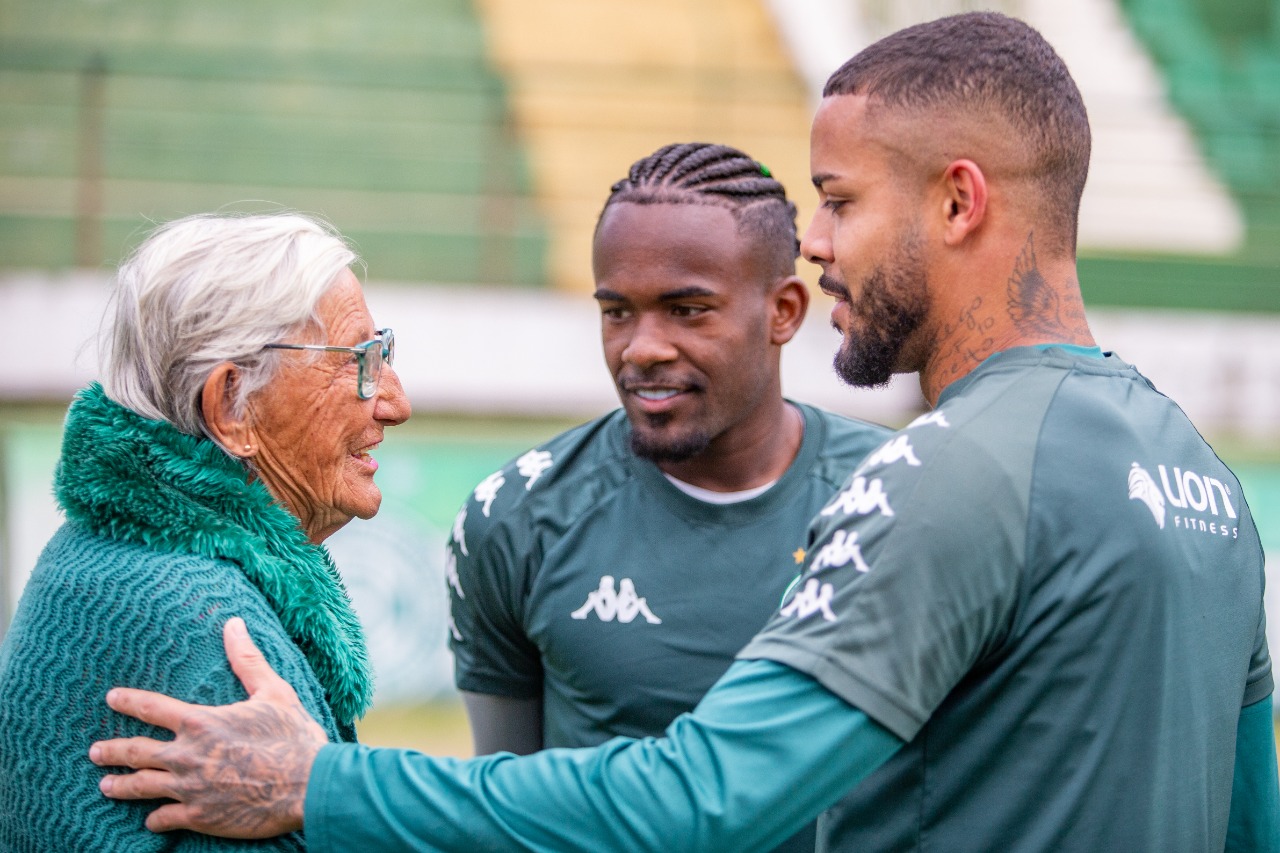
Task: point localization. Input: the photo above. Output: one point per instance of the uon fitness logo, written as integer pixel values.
(1193, 502)
(1143, 488)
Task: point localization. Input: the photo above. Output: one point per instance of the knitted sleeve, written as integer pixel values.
(98, 614)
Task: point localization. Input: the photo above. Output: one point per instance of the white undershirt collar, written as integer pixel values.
(708, 496)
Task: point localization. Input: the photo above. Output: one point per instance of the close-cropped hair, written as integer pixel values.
(705, 173)
(212, 288)
(980, 63)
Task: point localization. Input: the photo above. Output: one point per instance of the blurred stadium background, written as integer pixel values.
(466, 147)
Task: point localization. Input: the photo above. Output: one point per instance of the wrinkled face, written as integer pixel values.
(684, 307)
(866, 236)
(313, 435)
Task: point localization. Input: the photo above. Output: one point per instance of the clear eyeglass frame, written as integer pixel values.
(368, 361)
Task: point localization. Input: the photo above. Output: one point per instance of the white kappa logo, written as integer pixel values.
(842, 549)
(814, 598)
(621, 604)
(460, 530)
(863, 497)
(488, 490)
(894, 450)
(532, 465)
(451, 572)
(1142, 487)
(937, 418)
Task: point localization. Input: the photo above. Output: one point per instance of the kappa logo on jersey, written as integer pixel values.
(451, 572)
(898, 448)
(1194, 502)
(532, 466)
(841, 550)
(460, 530)
(488, 490)
(1143, 488)
(621, 604)
(863, 497)
(935, 418)
(813, 598)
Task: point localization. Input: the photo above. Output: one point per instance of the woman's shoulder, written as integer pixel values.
(155, 617)
(78, 554)
(97, 614)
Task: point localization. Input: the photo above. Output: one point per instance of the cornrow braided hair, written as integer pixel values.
(705, 173)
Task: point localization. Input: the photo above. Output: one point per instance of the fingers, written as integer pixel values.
(143, 785)
(170, 817)
(136, 752)
(250, 666)
(154, 708)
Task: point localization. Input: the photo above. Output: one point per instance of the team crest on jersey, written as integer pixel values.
(863, 497)
(621, 604)
(532, 465)
(488, 490)
(1196, 503)
(813, 597)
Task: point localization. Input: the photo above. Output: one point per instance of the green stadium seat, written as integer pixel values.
(384, 116)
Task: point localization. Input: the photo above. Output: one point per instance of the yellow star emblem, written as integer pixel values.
(798, 555)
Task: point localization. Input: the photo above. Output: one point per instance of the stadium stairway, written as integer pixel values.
(597, 84)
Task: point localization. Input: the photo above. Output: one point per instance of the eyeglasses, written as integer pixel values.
(369, 355)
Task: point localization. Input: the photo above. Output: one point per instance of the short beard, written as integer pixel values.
(892, 307)
(655, 447)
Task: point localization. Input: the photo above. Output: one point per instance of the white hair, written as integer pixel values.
(212, 288)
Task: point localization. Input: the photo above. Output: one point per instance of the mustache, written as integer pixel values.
(629, 380)
(831, 287)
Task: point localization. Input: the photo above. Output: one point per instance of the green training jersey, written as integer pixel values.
(581, 575)
(1051, 587)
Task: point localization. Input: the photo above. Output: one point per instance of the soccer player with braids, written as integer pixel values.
(601, 582)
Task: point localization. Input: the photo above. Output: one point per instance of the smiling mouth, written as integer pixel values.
(364, 453)
(655, 393)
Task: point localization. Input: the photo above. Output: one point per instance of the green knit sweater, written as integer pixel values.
(164, 540)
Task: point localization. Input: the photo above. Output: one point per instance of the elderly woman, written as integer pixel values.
(245, 388)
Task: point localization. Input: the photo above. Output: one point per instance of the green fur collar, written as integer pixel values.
(138, 480)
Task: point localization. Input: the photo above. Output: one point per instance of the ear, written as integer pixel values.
(217, 400)
(788, 303)
(964, 199)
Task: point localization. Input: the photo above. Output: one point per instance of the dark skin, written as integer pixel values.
(693, 323)
(693, 317)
